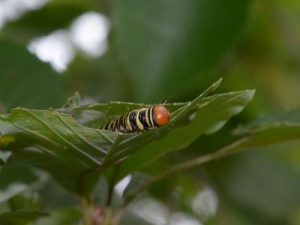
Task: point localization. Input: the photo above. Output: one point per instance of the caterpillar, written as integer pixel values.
(140, 120)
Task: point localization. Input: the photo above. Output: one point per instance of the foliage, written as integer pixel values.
(57, 166)
(39, 74)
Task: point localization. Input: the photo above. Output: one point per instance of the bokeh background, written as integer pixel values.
(166, 51)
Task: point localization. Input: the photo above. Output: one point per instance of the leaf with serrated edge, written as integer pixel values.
(76, 154)
(105, 112)
(209, 116)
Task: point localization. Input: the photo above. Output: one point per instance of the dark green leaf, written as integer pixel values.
(205, 121)
(63, 216)
(75, 154)
(262, 185)
(1, 164)
(166, 45)
(98, 114)
(56, 143)
(56, 15)
(95, 115)
(23, 202)
(291, 117)
(14, 180)
(270, 134)
(137, 179)
(26, 81)
(13, 174)
(20, 218)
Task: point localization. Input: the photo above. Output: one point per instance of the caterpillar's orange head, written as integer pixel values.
(161, 115)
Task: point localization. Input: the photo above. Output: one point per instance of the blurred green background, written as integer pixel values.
(166, 51)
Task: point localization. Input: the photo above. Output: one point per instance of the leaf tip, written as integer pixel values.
(212, 88)
(217, 83)
(251, 94)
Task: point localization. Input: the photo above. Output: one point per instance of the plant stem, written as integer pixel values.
(87, 211)
(112, 186)
(107, 217)
(223, 152)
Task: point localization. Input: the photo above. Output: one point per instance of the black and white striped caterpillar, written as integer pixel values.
(140, 120)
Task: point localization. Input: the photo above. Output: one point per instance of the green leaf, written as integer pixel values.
(277, 118)
(137, 180)
(53, 16)
(268, 130)
(264, 135)
(76, 154)
(14, 180)
(264, 186)
(95, 115)
(1, 164)
(211, 115)
(26, 81)
(20, 218)
(64, 216)
(163, 43)
(269, 135)
(11, 173)
(55, 142)
(25, 202)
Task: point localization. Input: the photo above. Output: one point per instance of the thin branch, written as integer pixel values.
(223, 152)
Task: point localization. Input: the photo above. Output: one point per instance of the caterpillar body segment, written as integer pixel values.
(140, 120)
